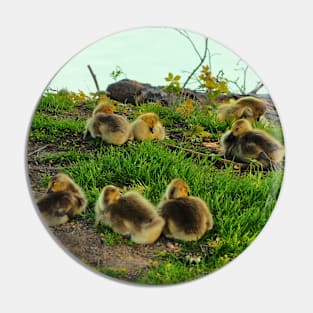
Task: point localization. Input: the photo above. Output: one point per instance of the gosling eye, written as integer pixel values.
(171, 194)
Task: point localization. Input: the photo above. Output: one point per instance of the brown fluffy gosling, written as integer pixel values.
(243, 143)
(130, 215)
(249, 107)
(186, 217)
(111, 128)
(147, 127)
(64, 200)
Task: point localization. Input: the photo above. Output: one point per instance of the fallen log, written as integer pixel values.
(134, 92)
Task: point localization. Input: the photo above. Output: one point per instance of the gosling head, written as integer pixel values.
(110, 194)
(60, 182)
(257, 105)
(247, 113)
(151, 119)
(177, 188)
(240, 127)
(103, 107)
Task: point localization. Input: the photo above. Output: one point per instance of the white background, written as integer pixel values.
(275, 273)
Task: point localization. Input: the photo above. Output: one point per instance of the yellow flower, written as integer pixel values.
(168, 265)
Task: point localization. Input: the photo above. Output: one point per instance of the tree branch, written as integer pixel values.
(221, 161)
(235, 82)
(38, 150)
(256, 89)
(185, 34)
(197, 67)
(94, 77)
(210, 56)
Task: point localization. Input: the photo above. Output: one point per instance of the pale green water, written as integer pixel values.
(147, 55)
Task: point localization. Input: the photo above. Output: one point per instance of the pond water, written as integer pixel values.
(148, 55)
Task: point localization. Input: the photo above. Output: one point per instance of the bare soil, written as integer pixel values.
(81, 240)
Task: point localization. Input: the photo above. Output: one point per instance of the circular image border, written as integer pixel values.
(155, 183)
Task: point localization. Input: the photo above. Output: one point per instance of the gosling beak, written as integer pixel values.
(152, 130)
(49, 190)
(258, 118)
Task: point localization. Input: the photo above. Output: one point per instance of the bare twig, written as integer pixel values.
(40, 168)
(94, 77)
(193, 80)
(198, 66)
(210, 57)
(38, 150)
(244, 70)
(202, 58)
(186, 35)
(221, 161)
(188, 151)
(235, 82)
(256, 89)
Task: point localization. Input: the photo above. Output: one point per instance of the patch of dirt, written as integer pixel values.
(79, 110)
(87, 245)
(37, 169)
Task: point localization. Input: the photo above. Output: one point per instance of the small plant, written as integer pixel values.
(215, 86)
(78, 97)
(114, 272)
(111, 238)
(186, 108)
(174, 83)
(63, 92)
(199, 132)
(115, 74)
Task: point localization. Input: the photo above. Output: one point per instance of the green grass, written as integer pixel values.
(172, 273)
(54, 103)
(68, 157)
(110, 238)
(116, 273)
(50, 128)
(241, 202)
(201, 116)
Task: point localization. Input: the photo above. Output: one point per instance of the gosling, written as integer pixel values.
(64, 200)
(111, 128)
(130, 215)
(147, 127)
(186, 217)
(249, 107)
(243, 143)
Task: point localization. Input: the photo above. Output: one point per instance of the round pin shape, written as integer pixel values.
(155, 156)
